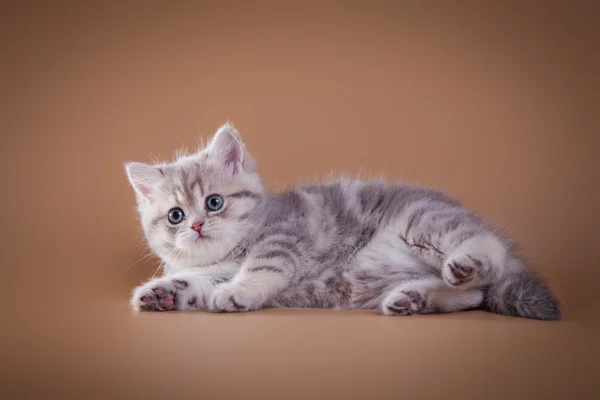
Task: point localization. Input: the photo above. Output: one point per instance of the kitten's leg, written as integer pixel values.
(475, 262)
(270, 267)
(467, 251)
(185, 290)
(446, 301)
(429, 295)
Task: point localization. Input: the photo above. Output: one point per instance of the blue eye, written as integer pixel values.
(176, 215)
(214, 202)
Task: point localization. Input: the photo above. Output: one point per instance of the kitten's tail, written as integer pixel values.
(522, 294)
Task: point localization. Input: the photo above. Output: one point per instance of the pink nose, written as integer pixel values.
(197, 226)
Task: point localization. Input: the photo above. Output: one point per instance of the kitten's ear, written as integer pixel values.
(143, 178)
(226, 145)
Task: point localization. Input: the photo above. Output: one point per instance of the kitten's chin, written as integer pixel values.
(199, 252)
(202, 240)
(192, 258)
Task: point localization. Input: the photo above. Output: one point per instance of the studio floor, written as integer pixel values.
(105, 351)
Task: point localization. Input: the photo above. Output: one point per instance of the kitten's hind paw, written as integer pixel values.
(465, 270)
(475, 263)
(405, 301)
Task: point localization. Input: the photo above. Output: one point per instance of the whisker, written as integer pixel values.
(147, 256)
(157, 268)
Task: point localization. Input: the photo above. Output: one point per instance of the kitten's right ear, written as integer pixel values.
(227, 147)
(143, 178)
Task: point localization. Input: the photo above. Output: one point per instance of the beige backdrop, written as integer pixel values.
(495, 103)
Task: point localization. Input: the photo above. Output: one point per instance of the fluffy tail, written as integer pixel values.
(522, 294)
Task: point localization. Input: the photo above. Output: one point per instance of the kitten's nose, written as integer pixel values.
(197, 226)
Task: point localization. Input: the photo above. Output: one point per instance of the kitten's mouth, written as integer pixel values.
(201, 237)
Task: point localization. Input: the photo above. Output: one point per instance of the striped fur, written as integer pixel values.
(398, 248)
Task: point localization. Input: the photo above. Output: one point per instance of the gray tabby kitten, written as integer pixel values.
(229, 245)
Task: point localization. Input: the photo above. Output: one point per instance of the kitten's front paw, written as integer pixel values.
(465, 270)
(165, 294)
(233, 297)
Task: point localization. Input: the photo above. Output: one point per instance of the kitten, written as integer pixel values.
(228, 245)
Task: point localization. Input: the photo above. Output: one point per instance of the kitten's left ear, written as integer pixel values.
(227, 146)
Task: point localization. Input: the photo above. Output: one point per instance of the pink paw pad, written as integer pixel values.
(167, 302)
(461, 271)
(402, 303)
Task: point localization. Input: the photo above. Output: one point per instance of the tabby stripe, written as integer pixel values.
(415, 218)
(269, 268)
(276, 253)
(264, 237)
(198, 182)
(186, 188)
(292, 248)
(377, 205)
(244, 193)
(452, 224)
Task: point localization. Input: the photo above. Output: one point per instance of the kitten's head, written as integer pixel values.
(196, 209)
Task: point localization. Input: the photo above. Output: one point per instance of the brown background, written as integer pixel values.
(494, 102)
